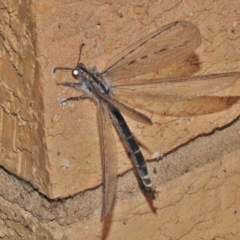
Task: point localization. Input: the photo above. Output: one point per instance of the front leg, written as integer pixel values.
(69, 84)
(77, 98)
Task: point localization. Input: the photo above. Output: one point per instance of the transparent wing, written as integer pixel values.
(180, 96)
(169, 44)
(130, 112)
(108, 156)
(177, 89)
(187, 108)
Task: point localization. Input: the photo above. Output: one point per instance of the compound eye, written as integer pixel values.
(75, 73)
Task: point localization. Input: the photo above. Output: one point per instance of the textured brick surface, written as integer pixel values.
(107, 28)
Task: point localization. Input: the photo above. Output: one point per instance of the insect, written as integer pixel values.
(169, 44)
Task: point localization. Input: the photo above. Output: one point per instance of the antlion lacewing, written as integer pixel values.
(169, 44)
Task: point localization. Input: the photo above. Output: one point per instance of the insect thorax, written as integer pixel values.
(104, 85)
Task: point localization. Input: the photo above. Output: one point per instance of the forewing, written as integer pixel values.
(169, 44)
(108, 156)
(181, 96)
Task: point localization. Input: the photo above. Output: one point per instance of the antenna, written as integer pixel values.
(80, 52)
(62, 68)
